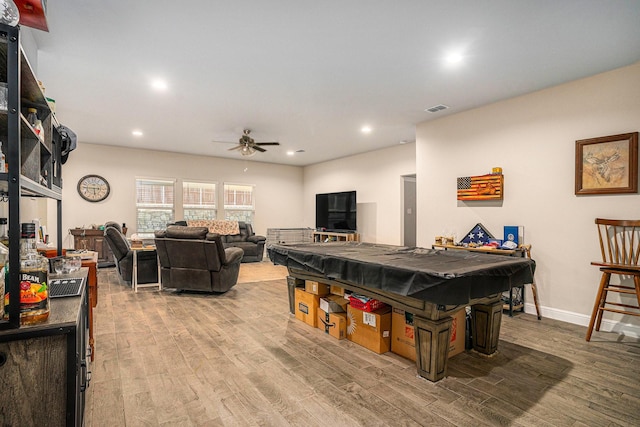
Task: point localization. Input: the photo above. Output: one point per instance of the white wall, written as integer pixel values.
(376, 177)
(532, 138)
(278, 188)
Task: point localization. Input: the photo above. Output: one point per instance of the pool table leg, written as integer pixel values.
(485, 326)
(432, 346)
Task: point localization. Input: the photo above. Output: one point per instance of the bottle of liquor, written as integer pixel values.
(34, 279)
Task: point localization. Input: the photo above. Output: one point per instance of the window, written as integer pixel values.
(198, 200)
(239, 203)
(154, 205)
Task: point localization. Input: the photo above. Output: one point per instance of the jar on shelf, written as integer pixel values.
(9, 13)
(34, 121)
(32, 116)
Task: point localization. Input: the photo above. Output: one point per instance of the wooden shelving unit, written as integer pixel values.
(33, 161)
(326, 236)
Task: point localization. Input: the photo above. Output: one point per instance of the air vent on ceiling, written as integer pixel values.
(436, 108)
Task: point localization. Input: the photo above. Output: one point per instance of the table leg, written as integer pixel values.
(432, 346)
(159, 273)
(485, 326)
(134, 272)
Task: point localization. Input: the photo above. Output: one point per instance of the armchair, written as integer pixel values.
(193, 259)
(147, 260)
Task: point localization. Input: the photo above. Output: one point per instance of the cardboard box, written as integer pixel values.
(458, 327)
(316, 288)
(334, 324)
(333, 304)
(307, 307)
(336, 290)
(371, 330)
(403, 339)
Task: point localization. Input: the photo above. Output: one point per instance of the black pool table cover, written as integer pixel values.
(438, 276)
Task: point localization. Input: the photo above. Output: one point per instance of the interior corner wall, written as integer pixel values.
(278, 188)
(376, 176)
(532, 137)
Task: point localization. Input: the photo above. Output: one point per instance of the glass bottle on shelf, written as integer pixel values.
(34, 279)
(3, 160)
(4, 236)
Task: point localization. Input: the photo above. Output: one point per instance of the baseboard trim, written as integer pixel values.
(626, 329)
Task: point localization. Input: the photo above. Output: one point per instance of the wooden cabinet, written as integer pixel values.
(93, 240)
(322, 236)
(44, 368)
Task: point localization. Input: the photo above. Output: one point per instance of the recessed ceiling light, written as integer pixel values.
(436, 108)
(290, 153)
(366, 129)
(159, 84)
(137, 133)
(453, 58)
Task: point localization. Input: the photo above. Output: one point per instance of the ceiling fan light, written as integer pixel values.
(247, 151)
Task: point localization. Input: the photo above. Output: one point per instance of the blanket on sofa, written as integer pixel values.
(219, 226)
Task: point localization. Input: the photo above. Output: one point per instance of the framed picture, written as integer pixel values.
(607, 165)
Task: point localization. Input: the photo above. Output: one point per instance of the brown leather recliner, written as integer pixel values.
(193, 259)
(147, 260)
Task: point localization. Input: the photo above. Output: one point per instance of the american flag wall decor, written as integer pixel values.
(482, 187)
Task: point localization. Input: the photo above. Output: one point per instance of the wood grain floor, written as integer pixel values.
(240, 359)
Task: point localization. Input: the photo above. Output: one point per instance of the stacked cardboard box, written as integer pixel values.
(370, 329)
(323, 306)
(316, 288)
(332, 316)
(307, 307)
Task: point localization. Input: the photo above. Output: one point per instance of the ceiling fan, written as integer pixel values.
(248, 146)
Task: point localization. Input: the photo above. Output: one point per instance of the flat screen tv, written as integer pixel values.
(336, 211)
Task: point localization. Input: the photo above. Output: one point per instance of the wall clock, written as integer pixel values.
(93, 188)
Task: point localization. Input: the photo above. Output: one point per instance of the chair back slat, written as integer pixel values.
(619, 241)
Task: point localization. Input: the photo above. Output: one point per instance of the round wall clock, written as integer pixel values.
(93, 188)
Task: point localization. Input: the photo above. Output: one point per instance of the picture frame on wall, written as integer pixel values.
(607, 165)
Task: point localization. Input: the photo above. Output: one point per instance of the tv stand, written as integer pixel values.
(330, 236)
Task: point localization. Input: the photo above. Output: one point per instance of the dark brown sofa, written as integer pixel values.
(248, 241)
(193, 259)
(251, 243)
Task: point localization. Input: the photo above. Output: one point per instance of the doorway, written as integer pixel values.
(409, 210)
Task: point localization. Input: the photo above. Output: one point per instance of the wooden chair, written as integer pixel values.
(620, 248)
(534, 289)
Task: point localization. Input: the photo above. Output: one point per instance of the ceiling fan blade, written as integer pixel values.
(237, 147)
(267, 143)
(260, 149)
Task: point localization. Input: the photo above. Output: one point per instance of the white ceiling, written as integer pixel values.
(310, 74)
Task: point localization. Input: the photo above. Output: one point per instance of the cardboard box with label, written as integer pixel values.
(334, 324)
(371, 330)
(306, 307)
(403, 339)
(316, 288)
